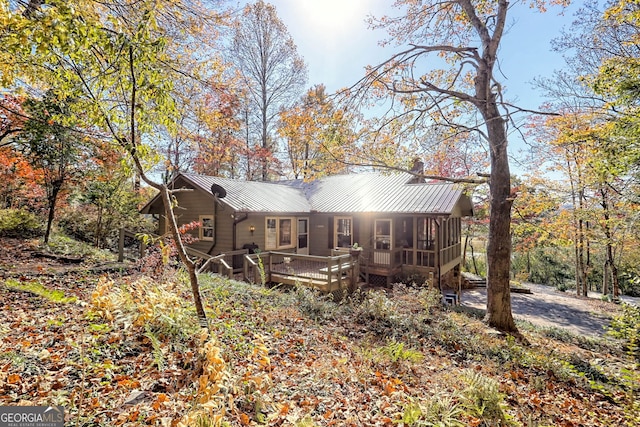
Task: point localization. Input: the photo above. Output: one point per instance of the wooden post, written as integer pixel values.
(143, 248)
(355, 272)
(329, 274)
(121, 245)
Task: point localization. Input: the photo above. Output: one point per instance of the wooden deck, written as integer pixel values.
(328, 274)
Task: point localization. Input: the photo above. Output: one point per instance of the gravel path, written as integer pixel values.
(548, 307)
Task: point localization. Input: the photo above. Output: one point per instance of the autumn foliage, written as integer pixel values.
(126, 350)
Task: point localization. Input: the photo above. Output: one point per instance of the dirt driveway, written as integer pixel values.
(547, 307)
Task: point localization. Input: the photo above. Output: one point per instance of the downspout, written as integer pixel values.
(237, 221)
(215, 227)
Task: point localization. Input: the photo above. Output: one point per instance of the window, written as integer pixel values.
(279, 233)
(343, 232)
(206, 227)
(382, 237)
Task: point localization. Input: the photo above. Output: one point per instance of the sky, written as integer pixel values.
(334, 40)
(336, 43)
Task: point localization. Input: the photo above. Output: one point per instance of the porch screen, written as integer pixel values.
(383, 234)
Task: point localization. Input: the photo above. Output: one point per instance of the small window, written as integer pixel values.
(206, 227)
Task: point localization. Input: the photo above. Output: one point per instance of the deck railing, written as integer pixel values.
(427, 258)
(326, 273)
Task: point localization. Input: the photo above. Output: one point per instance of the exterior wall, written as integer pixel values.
(223, 228)
(244, 236)
(321, 232)
(319, 229)
(192, 204)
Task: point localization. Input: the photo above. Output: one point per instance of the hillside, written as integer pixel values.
(117, 348)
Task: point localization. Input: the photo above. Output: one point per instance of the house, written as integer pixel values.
(403, 225)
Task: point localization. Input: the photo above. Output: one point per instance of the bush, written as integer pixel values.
(19, 223)
(476, 265)
(83, 223)
(626, 326)
(543, 265)
(630, 285)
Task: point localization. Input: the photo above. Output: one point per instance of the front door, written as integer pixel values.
(303, 236)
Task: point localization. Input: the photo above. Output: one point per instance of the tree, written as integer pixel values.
(218, 147)
(12, 117)
(51, 147)
(118, 61)
(465, 36)
(271, 70)
(317, 135)
(595, 140)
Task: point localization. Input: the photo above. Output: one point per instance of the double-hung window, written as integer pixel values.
(206, 227)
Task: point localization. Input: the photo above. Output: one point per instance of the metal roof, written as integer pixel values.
(254, 196)
(367, 192)
(381, 193)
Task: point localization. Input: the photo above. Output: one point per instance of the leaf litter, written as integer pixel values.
(128, 351)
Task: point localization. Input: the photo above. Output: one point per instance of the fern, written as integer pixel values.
(484, 400)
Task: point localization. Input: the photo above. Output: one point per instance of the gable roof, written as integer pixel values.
(367, 192)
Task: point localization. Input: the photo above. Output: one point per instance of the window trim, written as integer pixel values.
(202, 228)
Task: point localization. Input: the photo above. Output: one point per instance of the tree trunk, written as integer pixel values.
(609, 246)
(605, 278)
(99, 228)
(499, 313)
(53, 198)
(182, 253)
(581, 274)
(473, 258)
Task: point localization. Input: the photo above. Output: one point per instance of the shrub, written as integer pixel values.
(626, 326)
(630, 285)
(19, 223)
(484, 400)
(84, 223)
(542, 265)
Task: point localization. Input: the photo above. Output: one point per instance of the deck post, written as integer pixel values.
(329, 275)
(355, 271)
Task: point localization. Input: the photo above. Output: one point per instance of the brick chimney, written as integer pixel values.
(418, 169)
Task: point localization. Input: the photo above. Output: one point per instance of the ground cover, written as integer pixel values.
(118, 348)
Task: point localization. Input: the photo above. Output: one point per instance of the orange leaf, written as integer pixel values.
(157, 404)
(13, 379)
(284, 409)
(244, 419)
